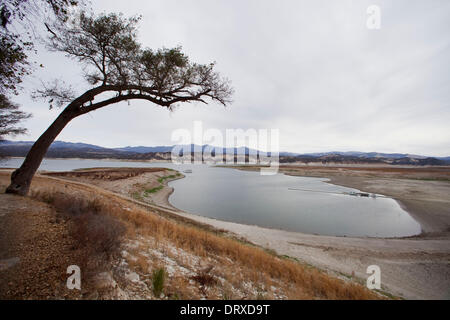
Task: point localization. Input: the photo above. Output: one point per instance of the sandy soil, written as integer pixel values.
(413, 268)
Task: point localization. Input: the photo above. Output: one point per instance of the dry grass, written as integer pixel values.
(255, 264)
(96, 232)
(139, 263)
(204, 278)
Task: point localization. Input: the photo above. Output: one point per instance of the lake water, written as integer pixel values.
(250, 198)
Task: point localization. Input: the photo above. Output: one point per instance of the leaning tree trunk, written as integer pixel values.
(21, 178)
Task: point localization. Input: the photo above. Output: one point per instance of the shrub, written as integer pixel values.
(159, 276)
(204, 277)
(92, 227)
(101, 234)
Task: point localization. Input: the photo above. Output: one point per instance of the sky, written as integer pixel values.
(312, 69)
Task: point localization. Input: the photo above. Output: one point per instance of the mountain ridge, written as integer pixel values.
(83, 150)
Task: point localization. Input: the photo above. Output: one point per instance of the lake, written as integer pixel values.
(250, 198)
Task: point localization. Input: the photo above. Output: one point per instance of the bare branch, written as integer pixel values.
(57, 93)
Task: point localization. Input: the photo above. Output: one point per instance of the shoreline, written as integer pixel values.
(401, 189)
(347, 256)
(405, 261)
(429, 227)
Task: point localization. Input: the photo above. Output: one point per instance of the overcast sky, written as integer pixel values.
(311, 68)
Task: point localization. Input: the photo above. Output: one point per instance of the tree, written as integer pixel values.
(16, 42)
(17, 35)
(118, 69)
(12, 68)
(10, 116)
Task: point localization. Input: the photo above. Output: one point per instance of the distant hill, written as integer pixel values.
(61, 149)
(346, 159)
(362, 154)
(142, 149)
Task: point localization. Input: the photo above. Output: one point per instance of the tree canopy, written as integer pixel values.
(115, 62)
(10, 116)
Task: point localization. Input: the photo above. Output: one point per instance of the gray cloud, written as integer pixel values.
(310, 68)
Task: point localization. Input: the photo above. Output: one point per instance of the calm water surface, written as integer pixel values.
(249, 198)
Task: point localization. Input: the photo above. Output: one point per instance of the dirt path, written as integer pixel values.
(35, 251)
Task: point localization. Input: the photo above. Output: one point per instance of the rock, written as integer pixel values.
(92, 296)
(104, 280)
(132, 276)
(8, 263)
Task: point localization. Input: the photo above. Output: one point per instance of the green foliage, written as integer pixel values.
(153, 190)
(158, 279)
(172, 176)
(13, 62)
(10, 116)
(17, 42)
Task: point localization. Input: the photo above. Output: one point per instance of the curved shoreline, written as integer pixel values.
(430, 211)
(431, 226)
(347, 256)
(166, 203)
(405, 262)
